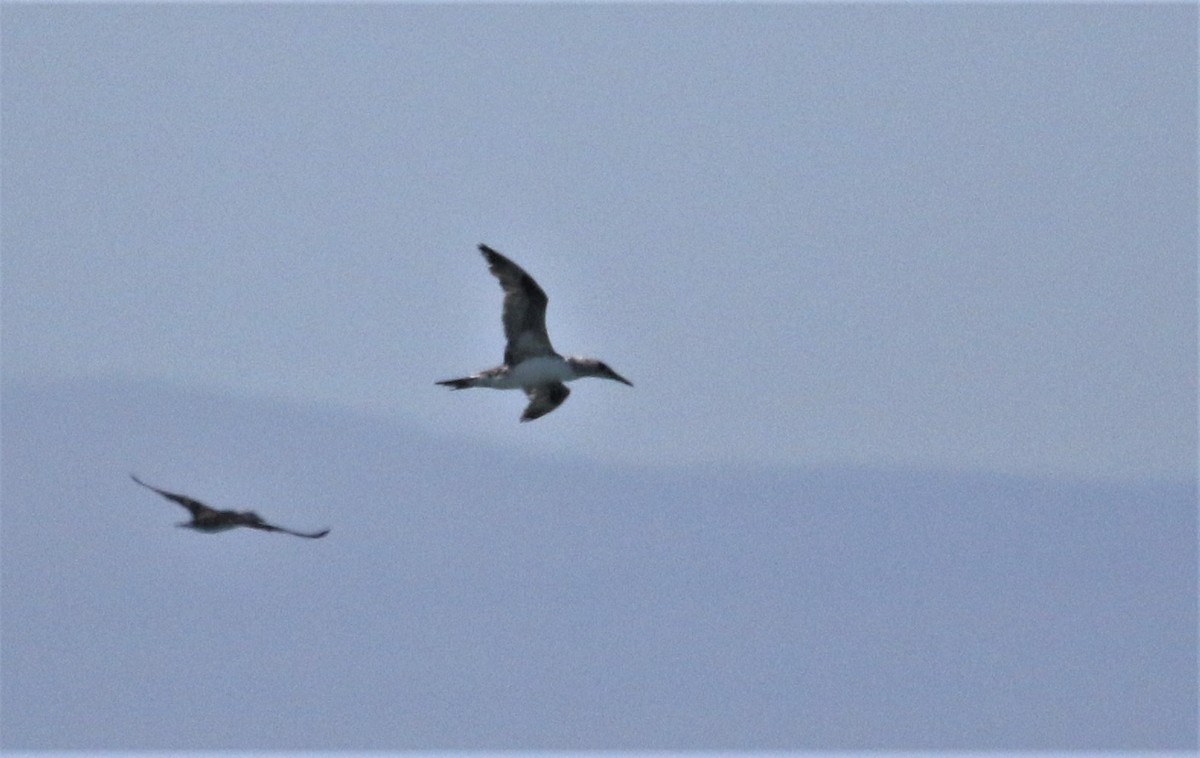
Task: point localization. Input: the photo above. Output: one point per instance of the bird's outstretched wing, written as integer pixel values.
(524, 312)
(544, 398)
(254, 522)
(195, 507)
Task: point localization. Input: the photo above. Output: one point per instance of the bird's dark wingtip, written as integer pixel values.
(309, 535)
(490, 254)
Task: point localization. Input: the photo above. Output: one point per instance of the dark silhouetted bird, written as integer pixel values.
(206, 519)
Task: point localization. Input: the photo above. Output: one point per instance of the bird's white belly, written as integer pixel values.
(533, 371)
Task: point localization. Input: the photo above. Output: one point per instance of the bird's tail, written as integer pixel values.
(459, 384)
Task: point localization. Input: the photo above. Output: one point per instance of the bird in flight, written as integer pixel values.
(530, 362)
(205, 519)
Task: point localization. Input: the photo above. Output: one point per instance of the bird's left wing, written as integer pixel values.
(196, 507)
(544, 398)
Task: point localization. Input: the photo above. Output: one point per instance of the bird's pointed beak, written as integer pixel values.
(617, 377)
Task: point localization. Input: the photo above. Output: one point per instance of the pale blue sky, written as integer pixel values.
(908, 294)
(941, 236)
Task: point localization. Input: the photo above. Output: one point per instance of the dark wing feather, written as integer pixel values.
(258, 523)
(308, 535)
(197, 508)
(524, 309)
(544, 398)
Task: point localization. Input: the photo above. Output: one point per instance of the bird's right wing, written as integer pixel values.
(524, 313)
(264, 526)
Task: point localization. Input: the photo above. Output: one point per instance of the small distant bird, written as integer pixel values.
(530, 363)
(205, 519)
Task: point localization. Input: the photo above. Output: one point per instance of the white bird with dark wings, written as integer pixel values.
(530, 362)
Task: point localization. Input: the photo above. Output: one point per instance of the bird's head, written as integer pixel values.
(593, 367)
